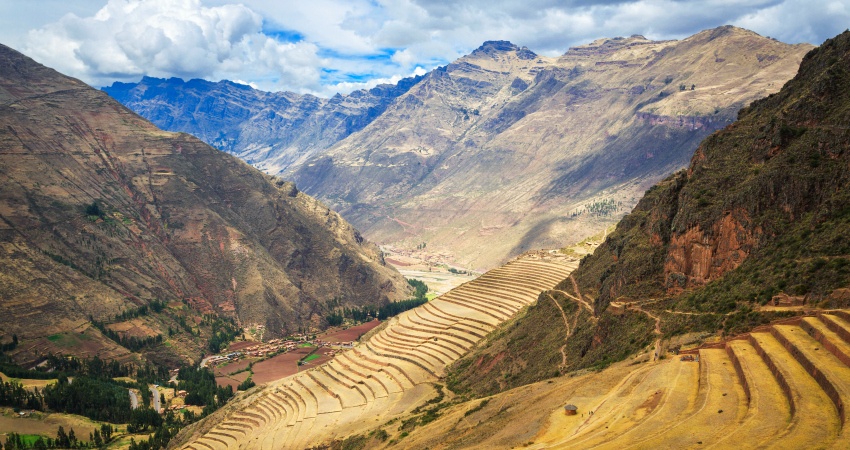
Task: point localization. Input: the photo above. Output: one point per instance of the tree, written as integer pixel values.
(94, 210)
(96, 439)
(62, 438)
(106, 432)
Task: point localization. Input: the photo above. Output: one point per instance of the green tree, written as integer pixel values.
(94, 210)
(62, 438)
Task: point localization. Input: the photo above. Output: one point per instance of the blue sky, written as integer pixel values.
(329, 46)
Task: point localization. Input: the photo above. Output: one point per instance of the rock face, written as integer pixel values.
(174, 219)
(695, 257)
(272, 131)
(503, 151)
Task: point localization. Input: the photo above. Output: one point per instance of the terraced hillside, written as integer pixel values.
(387, 376)
(780, 386)
(787, 384)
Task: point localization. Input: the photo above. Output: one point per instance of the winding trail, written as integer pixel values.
(567, 328)
(657, 327)
(581, 301)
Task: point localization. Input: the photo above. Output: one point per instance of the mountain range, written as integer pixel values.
(504, 150)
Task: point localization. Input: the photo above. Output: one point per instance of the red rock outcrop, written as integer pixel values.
(696, 257)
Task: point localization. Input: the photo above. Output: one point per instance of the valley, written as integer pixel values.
(636, 244)
(499, 152)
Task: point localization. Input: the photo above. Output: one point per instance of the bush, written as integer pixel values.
(94, 210)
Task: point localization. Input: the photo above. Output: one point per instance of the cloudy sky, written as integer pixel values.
(329, 46)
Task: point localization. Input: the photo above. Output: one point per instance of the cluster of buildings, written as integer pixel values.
(272, 347)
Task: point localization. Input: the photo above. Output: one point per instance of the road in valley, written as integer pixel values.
(155, 393)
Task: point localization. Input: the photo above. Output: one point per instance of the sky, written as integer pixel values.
(328, 46)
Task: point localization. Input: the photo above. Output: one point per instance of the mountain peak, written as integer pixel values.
(493, 48)
(724, 31)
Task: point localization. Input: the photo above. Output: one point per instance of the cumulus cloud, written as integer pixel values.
(328, 46)
(129, 38)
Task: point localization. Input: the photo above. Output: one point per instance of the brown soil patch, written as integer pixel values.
(280, 366)
(352, 333)
(133, 328)
(396, 262)
(650, 403)
(84, 342)
(232, 380)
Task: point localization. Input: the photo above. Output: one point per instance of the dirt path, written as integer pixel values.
(657, 328)
(582, 302)
(567, 328)
(581, 297)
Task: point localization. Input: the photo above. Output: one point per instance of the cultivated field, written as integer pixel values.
(383, 378)
(350, 334)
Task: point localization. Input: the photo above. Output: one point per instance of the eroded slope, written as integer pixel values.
(174, 219)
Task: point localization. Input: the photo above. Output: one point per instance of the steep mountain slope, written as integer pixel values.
(272, 130)
(760, 215)
(504, 150)
(101, 212)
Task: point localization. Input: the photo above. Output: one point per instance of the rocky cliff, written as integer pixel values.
(271, 130)
(504, 151)
(101, 212)
(760, 213)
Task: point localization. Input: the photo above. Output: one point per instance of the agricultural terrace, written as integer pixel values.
(391, 374)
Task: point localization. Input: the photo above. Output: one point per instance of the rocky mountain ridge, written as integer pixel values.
(271, 130)
(101, 213)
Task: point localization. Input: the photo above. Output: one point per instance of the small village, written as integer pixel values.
(273, 347)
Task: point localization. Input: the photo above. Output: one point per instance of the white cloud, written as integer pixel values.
(346, 86)
(129, 38)
(324, 46)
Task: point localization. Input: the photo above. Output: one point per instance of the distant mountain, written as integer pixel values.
(505, 151)
(103, 213)
(272, 130)
(761, 214)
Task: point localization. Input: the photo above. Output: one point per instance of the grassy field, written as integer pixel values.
(312, 357)
(44, 424)
(27, 382)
